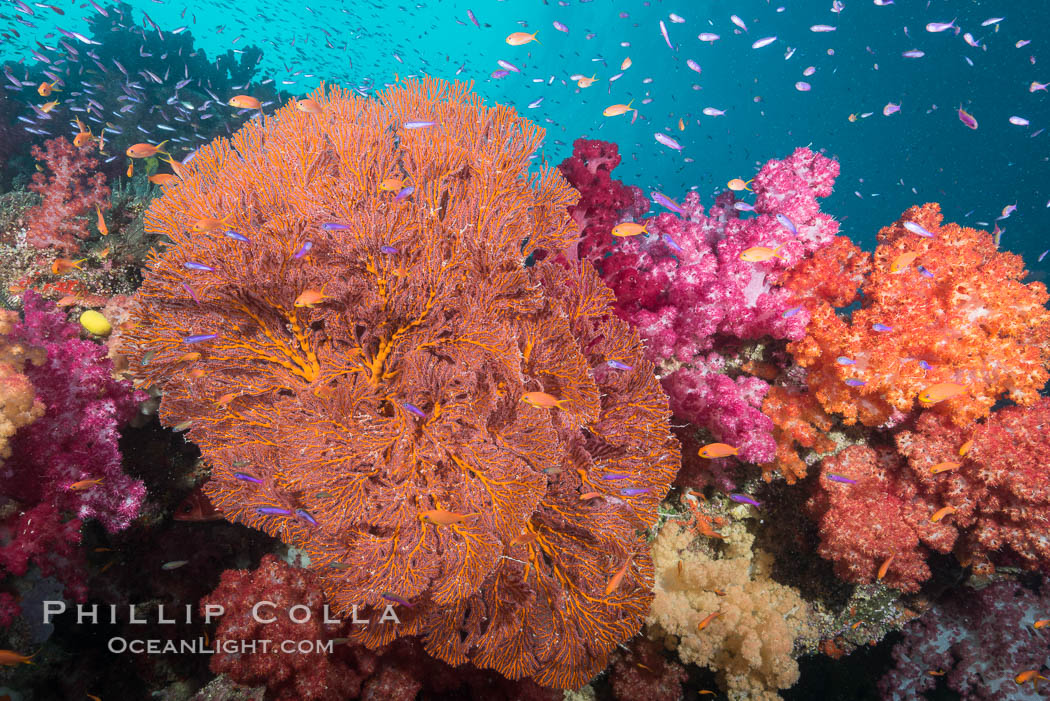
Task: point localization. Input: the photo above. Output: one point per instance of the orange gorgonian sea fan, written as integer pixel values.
(353, 356)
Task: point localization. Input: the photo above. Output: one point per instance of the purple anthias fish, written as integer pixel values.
(303, 250)
(190, 265)
(560, 27)
(916, 228)
(617, 365)
(500, 73)
(405, 192)
(396, 599)
(304, 515)
(389, 250)
(615, 477)
(743, 207)
(924, 272)
(843, 360)
(334, 226)
(839, 478)
(744, 499)
(413, 409)
(236, 236)
(854, 382)
(247, 478)
(273, 511)
(786, 222)
(671, 243)
(924, 365)
(634, 491)
(192, 293)
(199, 338)
(418, 125)
(881, 327)
(665, 201)
(788, 313)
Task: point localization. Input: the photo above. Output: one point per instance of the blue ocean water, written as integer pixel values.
(922, 153)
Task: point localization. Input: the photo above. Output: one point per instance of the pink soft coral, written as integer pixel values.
(71, 188)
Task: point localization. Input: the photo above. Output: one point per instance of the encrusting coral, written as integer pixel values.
(750, 641)
(345, 319)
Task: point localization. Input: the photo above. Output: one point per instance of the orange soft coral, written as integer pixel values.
(958, 313)
(799, 420)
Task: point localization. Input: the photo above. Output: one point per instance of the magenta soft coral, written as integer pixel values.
(75, 441)
(691, 297)
(71, 188)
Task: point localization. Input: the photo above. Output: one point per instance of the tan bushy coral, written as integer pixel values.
(18, 403)
(751, 642)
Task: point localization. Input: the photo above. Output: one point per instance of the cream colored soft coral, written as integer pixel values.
(750, 642)
(18, 403)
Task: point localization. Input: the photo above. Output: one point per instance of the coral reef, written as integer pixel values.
(376, 419)
(751, 638)
(690, 295)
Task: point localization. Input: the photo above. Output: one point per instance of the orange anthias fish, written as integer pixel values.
(1040, 624)
(524, 538)
(162, 178)
(309, 106)
(587, 496)
(587, 82)
(617, 109)
(391, 184)
(310, 298)
(965, 448)
(738, 184)
(940, 392)
(901, 262)
(717, 450)
(48, 106)
(1031, 675)
(681, 124)
(45, 89)
(131, 168)
(210, 224)
(10, 658)
(885, 566)
(760, 254)
(245, 102)
(64, 265)
(522, 38)
(197, 507)
(84, 484)
(102, 228)
(710, 617)
(146, 150)
(944, 467)
(614, 581)
(941, 513)
(441, 517)
(180, 170)
(542, 400)
(84, 136)
(629, 228)
(625, 64)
